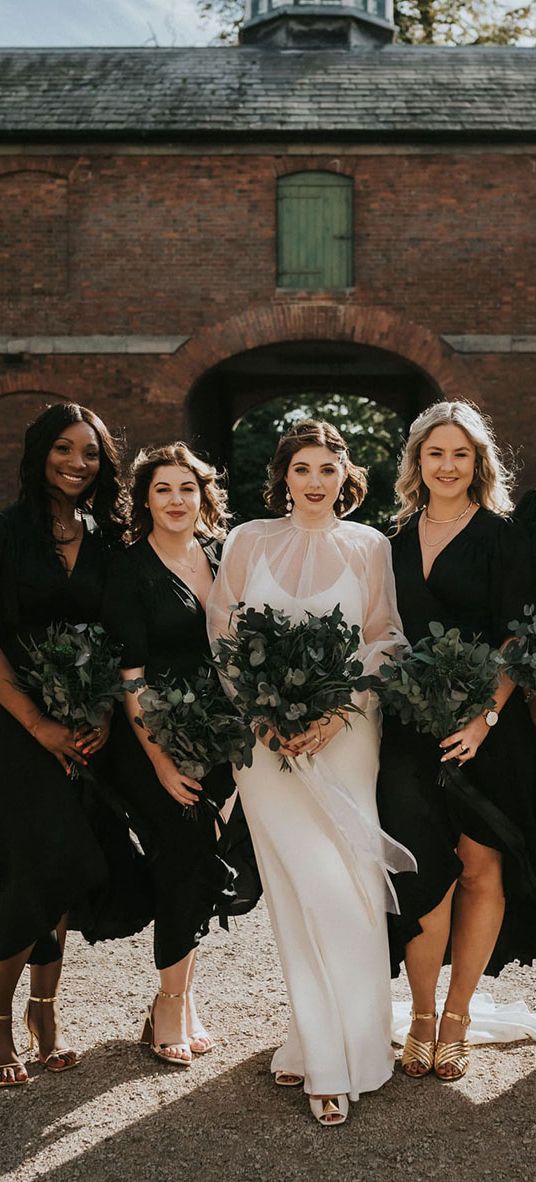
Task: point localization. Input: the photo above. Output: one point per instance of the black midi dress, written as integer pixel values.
(161, 626)
(478, 583)
(58, 840)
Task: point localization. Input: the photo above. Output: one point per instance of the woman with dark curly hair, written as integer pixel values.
(155, 606)
(327, 905)
(55, 546)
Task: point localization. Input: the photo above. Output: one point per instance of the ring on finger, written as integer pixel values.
(464, 750)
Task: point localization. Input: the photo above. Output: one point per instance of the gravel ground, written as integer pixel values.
(123, 1116)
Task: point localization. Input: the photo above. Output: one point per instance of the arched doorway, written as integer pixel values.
(309, 374)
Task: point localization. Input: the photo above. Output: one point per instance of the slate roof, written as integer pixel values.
(401, 92)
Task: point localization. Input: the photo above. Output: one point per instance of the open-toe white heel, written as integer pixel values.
(329, 1110)
(288, 1079)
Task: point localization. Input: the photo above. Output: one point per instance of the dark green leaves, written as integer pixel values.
(520, 653)
(76, 671)
(284, 675)
(441, 683)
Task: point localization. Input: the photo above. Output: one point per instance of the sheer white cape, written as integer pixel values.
(299, 569)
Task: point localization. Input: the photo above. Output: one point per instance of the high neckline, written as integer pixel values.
(329, 523)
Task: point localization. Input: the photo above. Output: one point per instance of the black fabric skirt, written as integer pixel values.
(493, 801)
(190, 881)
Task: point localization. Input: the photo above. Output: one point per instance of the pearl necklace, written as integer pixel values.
(450, 532)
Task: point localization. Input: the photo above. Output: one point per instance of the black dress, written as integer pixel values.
(161, 625)
(478, 583)
(51, 858)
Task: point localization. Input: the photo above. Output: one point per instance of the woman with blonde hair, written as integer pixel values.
(155, 607)
(458, 558)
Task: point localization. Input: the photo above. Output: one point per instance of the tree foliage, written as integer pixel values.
(422, 22)
(374, 435)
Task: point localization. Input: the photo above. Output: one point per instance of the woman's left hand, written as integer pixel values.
(315, 738)
(90, 739)
(464, 743)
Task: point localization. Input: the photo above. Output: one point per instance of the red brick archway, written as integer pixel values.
(305, 320)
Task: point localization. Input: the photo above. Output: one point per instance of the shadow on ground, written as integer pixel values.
(239, 1124)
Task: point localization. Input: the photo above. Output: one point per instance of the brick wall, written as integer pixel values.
(171, 244)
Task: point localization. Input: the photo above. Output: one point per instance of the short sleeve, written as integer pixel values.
(123, 613)
(512, 580)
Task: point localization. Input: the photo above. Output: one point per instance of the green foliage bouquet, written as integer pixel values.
(441, 683)
(520, 652)
(285, 676)
(75, 669)
(194, 722)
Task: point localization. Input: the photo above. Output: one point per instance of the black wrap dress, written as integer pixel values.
(161, 626)
(60, 843)
(478, 583)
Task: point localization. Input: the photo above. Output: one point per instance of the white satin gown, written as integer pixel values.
(322, 857)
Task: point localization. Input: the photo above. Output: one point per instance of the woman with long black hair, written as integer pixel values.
(55, 547)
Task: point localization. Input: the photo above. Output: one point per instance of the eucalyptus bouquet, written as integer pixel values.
(520, 652)
(194, 721)
(76, 672)
(441, 683)
(285, 676)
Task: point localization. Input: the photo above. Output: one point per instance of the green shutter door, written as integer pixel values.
(315, 230)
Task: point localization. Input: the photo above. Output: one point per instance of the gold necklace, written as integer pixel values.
(63, 541)
(450, 532)
(443, 520)
(180, 561)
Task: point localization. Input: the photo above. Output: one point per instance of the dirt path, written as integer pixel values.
(123, 1117)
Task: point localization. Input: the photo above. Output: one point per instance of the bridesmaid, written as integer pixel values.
(460, 559)
(155, 605)
(55, 545)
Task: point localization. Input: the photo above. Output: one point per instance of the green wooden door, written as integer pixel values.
(314, 230)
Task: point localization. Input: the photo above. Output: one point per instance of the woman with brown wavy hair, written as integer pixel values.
(326, 900)
(155, 606)
(459, 559)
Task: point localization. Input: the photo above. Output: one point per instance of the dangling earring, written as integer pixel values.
(341, 499)
(288, 500)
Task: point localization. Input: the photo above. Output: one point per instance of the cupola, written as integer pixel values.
(327, 24)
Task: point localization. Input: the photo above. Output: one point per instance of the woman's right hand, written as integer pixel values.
(183, 789)
(59, 740)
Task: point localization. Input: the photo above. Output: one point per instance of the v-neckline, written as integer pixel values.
(174, 575)
(426, 578)
(69, 574)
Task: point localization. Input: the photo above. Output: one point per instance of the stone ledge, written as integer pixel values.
(92, 344)
(486, 343)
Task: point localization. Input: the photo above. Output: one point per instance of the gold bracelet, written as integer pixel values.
(32, 729)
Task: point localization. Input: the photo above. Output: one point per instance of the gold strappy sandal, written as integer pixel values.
(416, 1051)
(453, 1054)
(15, 1065)
(160, 1049)
(52, 1061)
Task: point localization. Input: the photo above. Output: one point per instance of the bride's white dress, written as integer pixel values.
(321, 855)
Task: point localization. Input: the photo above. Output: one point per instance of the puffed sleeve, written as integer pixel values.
(123, 612)
(382, 627)
(231, 580)
(512, 583)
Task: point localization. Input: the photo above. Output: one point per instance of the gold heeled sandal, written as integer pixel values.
(453, 1054)
(56, 1060)
(198, 1035)
(159, 1049)
(417, 1051)
(329, 1111)
(15, 1065)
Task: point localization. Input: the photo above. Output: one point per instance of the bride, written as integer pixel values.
(322, 858)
